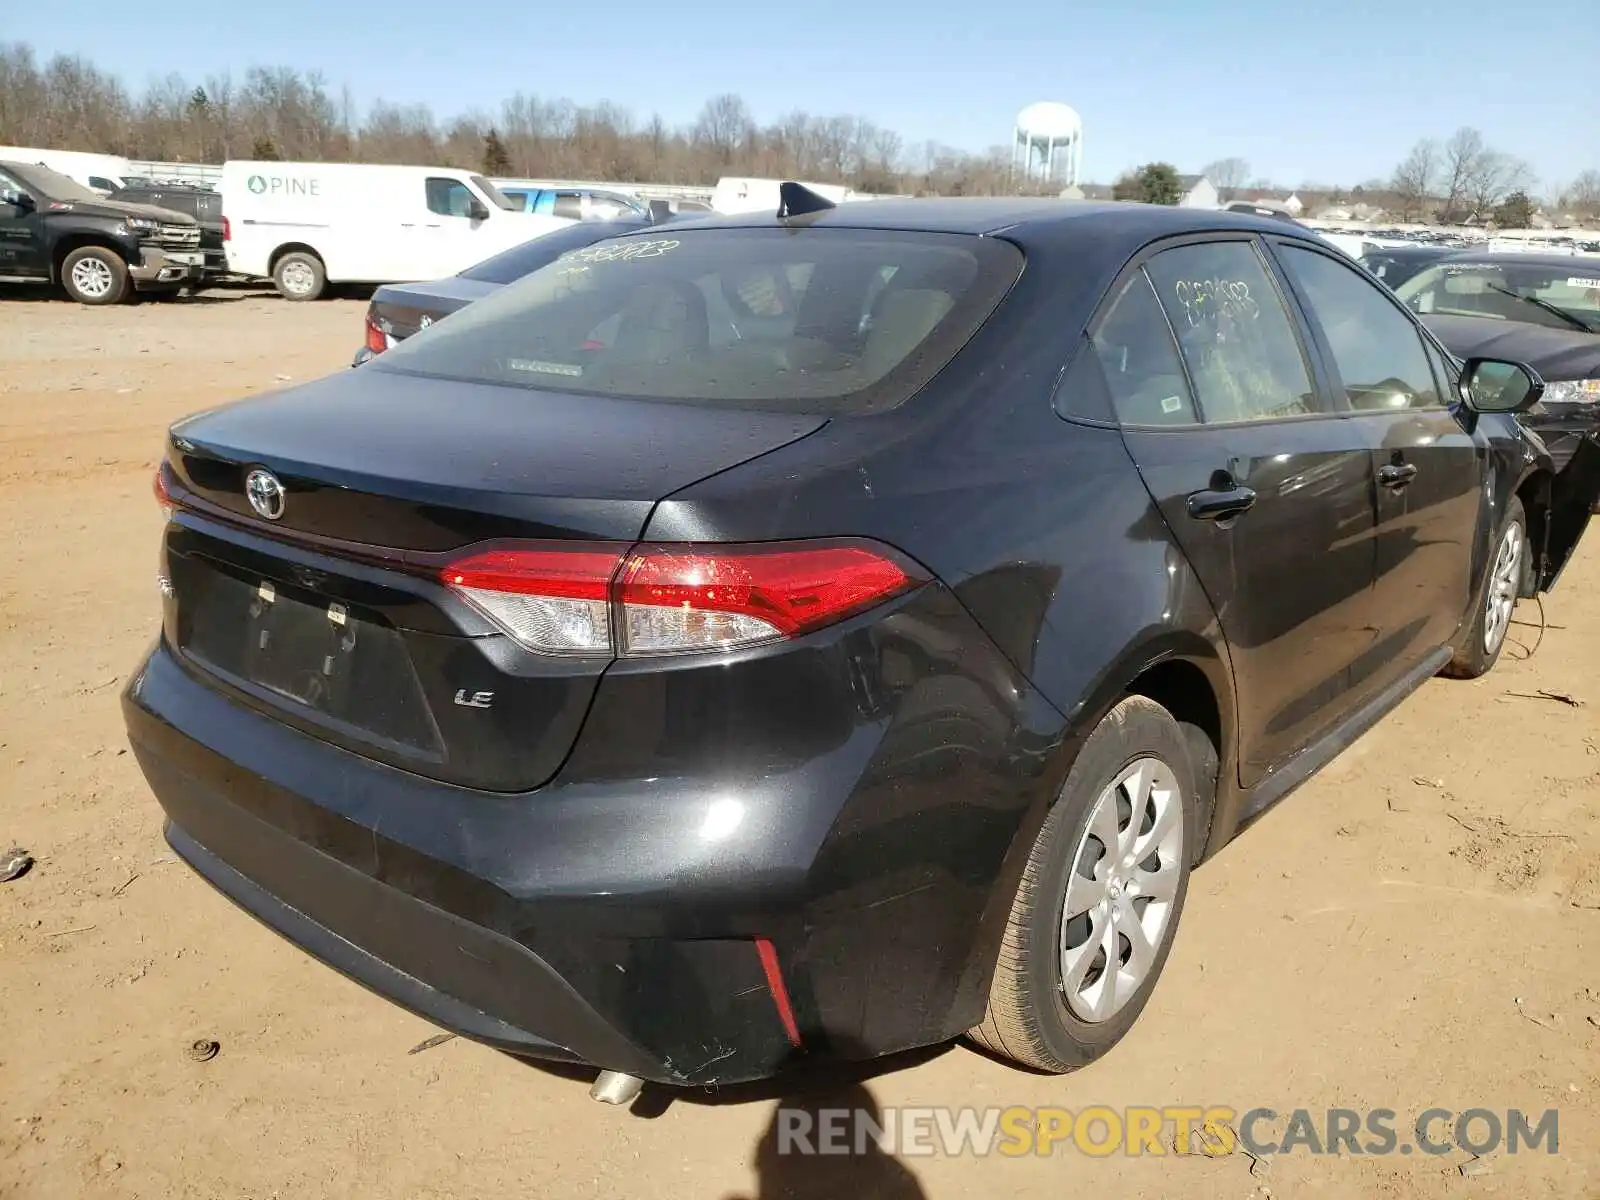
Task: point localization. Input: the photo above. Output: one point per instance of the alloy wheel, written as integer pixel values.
(1120, 895)
(92, 277)
(1503, 587)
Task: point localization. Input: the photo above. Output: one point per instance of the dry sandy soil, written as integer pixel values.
(1419, 926)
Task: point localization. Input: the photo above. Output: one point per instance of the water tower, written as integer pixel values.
(1047, 144)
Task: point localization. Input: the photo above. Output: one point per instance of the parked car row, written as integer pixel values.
(677, 656)
(304, 226)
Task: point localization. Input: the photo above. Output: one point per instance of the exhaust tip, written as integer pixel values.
(613, 1087)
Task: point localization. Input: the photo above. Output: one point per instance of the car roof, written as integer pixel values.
(1020, 219)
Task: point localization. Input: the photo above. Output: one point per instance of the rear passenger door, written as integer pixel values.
(1259, 473)
(1429, 469)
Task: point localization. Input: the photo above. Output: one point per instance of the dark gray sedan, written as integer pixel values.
(1540, 309)
(399, 310)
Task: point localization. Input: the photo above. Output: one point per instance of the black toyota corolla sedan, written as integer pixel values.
(612, 677)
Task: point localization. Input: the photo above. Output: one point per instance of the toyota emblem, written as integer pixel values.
(265, 493)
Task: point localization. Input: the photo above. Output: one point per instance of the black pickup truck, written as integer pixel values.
(201, 203)
(99, 250)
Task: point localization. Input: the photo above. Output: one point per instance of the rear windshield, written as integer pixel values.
(511, 265)
(809, 319)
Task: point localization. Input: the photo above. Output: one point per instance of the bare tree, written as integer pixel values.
(1583, 196)
(1228, 175)
(1414, 179)
(1494, 177)
(724, 126)
(1463, 164)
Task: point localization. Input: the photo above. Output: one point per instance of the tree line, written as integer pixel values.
(68, 103)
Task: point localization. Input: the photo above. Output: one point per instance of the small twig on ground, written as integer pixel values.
(1559, 697)
(78, 929)
(124, 885)
(1543, 1024)
(437, 1039)
(1463, 824)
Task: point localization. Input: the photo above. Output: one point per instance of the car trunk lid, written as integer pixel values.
(335, 617)
(400, 310)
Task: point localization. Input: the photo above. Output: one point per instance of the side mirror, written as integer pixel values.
(17, 199)
(1492, 385)
(478, 211)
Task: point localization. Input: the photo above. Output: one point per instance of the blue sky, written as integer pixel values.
(1337, 97)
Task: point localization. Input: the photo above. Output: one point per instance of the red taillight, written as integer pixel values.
(674, 598)
(687, 597)
(161, 486)
(227, 230)
(377, 339)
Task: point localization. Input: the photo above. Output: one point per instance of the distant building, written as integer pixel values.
(1198, 192)
(1293, 205)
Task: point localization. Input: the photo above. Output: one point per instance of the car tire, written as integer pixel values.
(299, 275)
(1053, 1005)
(1505, 579)
(95, 275)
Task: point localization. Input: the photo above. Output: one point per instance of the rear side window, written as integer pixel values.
(805, 320)
(1375, 346)
(1140, 361)
(569, 205)
(1234, 332)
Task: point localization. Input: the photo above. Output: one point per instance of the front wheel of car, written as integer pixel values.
(1485, 637)
(95, 275)
(1093, 919)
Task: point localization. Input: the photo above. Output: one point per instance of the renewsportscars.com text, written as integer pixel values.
(1101, 1131)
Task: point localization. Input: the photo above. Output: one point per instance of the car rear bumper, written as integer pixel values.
(673, 925)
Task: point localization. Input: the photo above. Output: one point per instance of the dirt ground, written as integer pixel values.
(1418, 927)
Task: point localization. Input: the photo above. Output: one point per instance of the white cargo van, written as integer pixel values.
(103, 173)
(306, 225)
